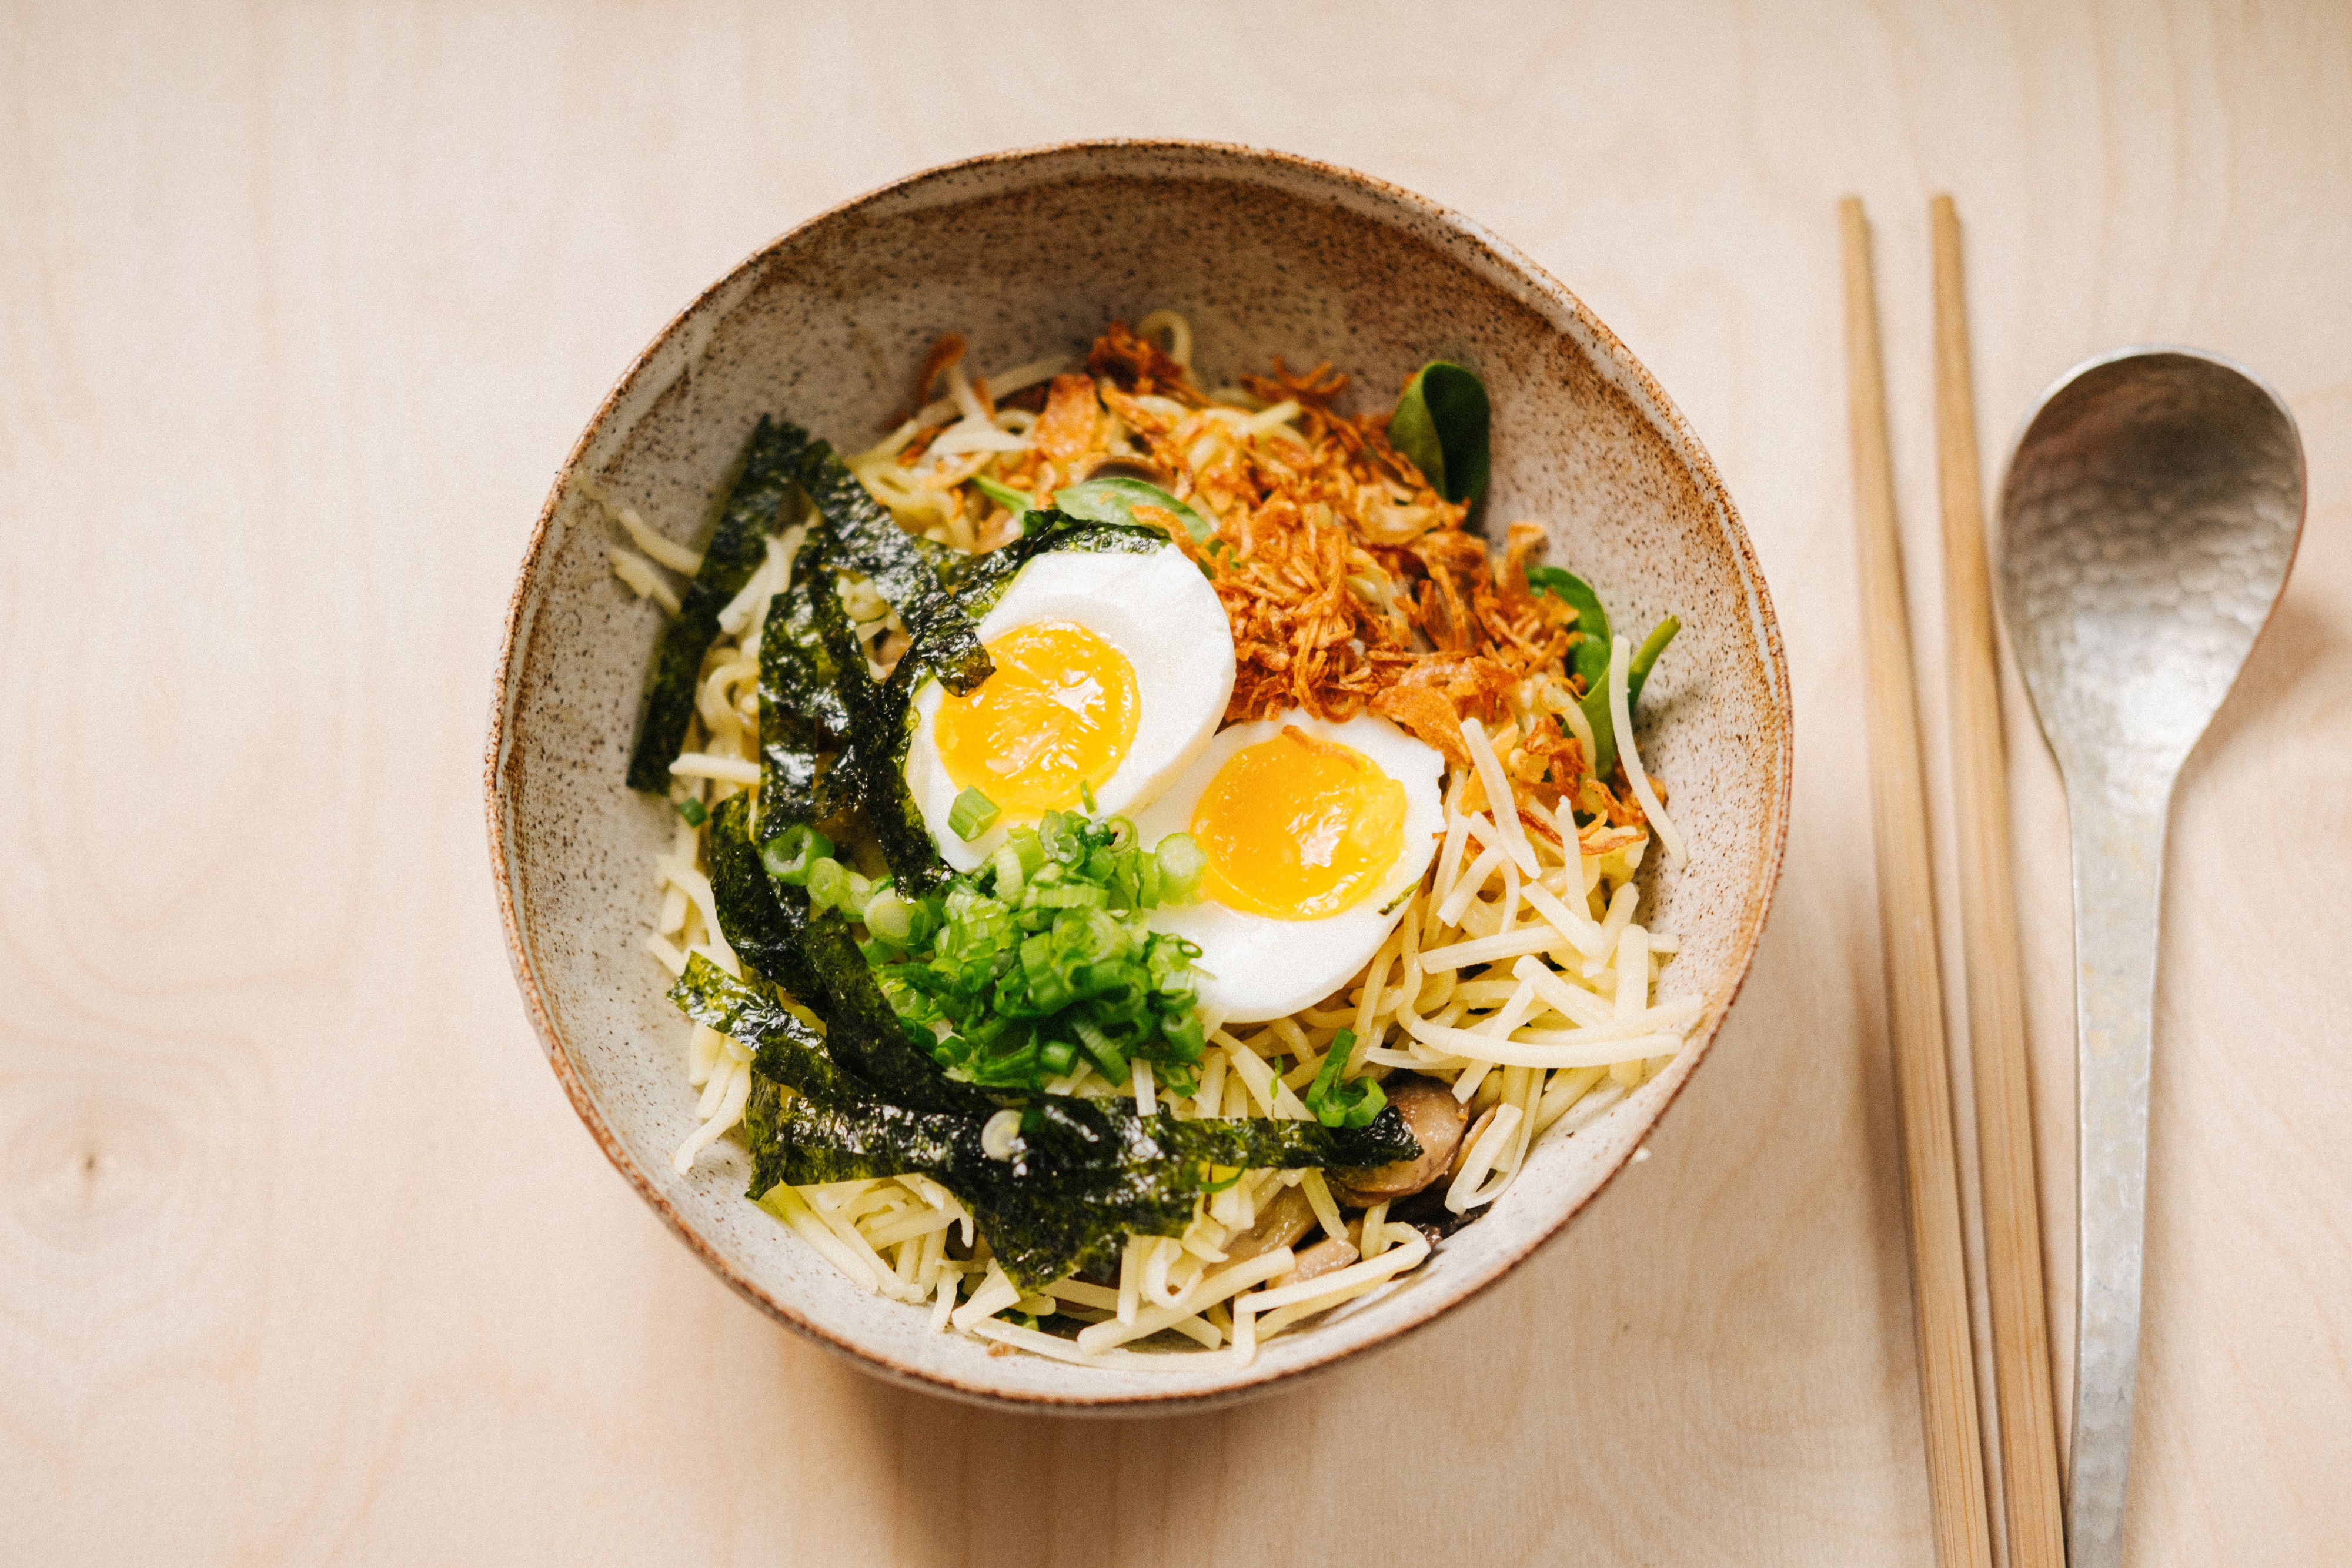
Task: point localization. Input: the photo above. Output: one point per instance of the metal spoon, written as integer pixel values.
(2149, 514)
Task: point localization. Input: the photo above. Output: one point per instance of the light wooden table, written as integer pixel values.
(304, 1258)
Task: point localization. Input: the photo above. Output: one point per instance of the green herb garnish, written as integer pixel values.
(789, 855)
(1441, 423)
(692, 811)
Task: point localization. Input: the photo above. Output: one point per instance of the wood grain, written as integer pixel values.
(303, 1257)
(2033, 1519)
(1915, 987)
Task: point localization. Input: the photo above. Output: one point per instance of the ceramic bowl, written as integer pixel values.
(1030, 253)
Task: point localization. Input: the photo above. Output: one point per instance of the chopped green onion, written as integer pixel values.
(1087, 794)
(793, 854)
(691, 809)
(1106, 1055)
(972, 814)
(890, 918)
(1047, 942)
(1181, 861)
(826, 883)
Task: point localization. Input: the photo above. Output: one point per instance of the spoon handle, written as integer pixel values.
(2118, 839)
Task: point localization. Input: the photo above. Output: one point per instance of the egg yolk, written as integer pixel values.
(1058, 712)
(1296, 828)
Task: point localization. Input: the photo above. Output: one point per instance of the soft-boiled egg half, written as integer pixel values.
(1112, 672)
(1316, 834)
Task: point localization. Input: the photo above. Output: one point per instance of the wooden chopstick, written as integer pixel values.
(1915, 1003)
(2035, 1521)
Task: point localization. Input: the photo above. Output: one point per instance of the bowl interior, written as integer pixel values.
(1028, 255)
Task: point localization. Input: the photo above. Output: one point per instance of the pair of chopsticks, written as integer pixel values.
(2033, 1530)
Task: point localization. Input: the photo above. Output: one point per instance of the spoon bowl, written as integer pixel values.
(2151, 510)
(2149, 515)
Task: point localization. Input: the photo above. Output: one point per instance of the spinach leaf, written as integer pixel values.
(1591, 657)
(738, 545)
(1591, 654)
(1441, 423)
(1638, 667)
(1115, 498)
(1013, 501)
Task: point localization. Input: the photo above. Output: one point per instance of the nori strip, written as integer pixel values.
(1084, 1173)
(765, 930)
(772, 463)
(1074, 1139)
(800, 696)
(987, 577)
(796, 666)
(870, 773)
(786, 1050)
(1091, 1173)
(867, 538)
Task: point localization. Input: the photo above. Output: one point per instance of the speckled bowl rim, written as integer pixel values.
(1507, 261)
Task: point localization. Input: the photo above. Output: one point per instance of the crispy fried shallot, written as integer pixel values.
(1352, 585)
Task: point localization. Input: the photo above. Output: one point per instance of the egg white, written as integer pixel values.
(1254, 967)
(1155, 608)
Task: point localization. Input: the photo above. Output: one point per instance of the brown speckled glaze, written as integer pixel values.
(1029, 252)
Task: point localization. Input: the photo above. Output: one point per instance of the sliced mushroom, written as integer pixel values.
(1435, 1119)
(1279, 1224)
(1327, 1256)
(1141, 468)
(1470, 1140)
